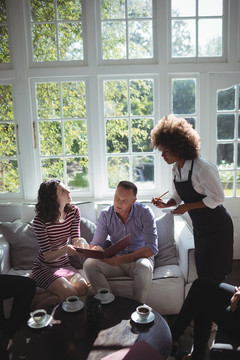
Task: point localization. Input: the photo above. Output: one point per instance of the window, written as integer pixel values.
(126, 29)
(8, 146)
(228, 139)
(129, 119)
(62, 128)
(184, 99)
(56, 28)
(197, 28)
(4, 48)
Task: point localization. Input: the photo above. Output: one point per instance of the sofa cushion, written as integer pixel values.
(166, 242)
(87, 229)
(23, 244)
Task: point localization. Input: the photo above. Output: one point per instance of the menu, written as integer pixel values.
(109, 252)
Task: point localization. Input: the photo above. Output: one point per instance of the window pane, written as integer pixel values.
(4, 52)
(225, 127)
(208, 8)
(238, 156)
(238, 183)
(143, 171)
(52, 168)
(50, 138)
(210, 37)
(7, 140)
(238, 126)
(140, 35)
(75, 137)
(77, 173)
(9, 176)
(183, 38)
(226, 99)
(117, 136)
(48, 101)
(224, 155)
(227, 178)
(3, 12)
(53, 39)
(115, 98)
(6, 102)
(141, 129)
(74, 100)
(141, 94)
(44, 42)
(69, 10)
(118, 169)
(114, 40)
(183, 8)
(70, 41)
(114, 9)
(139, 9)
(191, 120)
(184, 96)
(42, 10)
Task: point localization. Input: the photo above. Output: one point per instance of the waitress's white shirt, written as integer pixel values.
(205, 180)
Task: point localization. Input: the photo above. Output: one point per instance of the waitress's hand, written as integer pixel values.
(235, 300)
(159, 203)
(181, 209)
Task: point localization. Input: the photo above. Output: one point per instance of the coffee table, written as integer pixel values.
(75, 338)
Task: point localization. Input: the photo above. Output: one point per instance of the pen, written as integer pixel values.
(158, 198)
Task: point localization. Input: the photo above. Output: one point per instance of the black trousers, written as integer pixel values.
(22, 289)
(207, 301)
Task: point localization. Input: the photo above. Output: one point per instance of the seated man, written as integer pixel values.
(126, 216)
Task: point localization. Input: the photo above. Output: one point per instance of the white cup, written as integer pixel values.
(39, 316)
(103, 294)
(72, 302)
(143, 311)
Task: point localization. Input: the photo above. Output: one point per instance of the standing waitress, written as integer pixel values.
(196, 182)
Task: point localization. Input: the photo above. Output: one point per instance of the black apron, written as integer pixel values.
(213, 234)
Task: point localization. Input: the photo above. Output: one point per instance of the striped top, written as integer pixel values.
(51, 237)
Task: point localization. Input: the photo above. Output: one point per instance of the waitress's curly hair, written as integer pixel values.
(177, 136)
(47, 207)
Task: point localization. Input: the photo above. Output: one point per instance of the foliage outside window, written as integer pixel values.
(4, 48)
(184, 99)
(56, 27)
(62, 128)
(228, 139)
(196, 28)
(8, 148)
(129, 119)
(126, 29)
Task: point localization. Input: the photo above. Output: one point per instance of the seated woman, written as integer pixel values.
(214, 301)
(55, 222)
(22, 290)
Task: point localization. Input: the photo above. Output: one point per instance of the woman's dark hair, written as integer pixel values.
(128, 185)
(47, 206)
(176, 135)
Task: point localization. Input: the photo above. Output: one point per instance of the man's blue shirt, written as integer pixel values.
(140, 225)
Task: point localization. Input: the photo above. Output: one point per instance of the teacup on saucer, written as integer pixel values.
(72, 302)
(39, 316)
(103, 294)
(143, 311)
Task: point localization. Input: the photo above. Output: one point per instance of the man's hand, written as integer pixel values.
(181, 209)
(234, 302)
(114, 260)
(96, 247)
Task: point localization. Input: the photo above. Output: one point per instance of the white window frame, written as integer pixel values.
(197, 59)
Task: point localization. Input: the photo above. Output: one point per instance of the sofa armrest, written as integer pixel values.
(185, 247)
(4, 255)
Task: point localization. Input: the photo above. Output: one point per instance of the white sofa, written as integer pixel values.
(174, 266)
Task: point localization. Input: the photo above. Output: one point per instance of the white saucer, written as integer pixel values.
(34, 325)
(107, 301)
(136, 318)
(66, 308)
